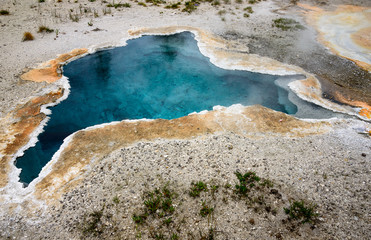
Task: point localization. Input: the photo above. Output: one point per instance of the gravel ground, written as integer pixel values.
(330, 171)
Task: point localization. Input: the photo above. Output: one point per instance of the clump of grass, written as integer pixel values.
(41, 1)
(158, 203)
(106, 11)
(155, 2)
(247, 181)
(142, 4)
(246, 15)
(222, 12)
(139, 218)
(27, 36)
(173, 6)
(119, 5)
(191, 6)
(215, 3)
(287, 24)
(239, 1)
(197, 188)
(92, 223)
(266, 183)
(4, 12)
(248, 9)
(298, 210)
(206, 210)
(116, 200)
(74, 17)
(45, 29)
(254, 1)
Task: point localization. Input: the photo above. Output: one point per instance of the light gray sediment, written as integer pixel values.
(330, 170)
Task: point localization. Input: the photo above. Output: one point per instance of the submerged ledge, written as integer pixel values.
(68, 165)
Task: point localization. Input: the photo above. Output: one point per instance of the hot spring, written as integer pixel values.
(151, 77)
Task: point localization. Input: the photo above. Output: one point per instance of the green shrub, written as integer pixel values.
(173, 6)
(197, 188)
(298, 210)
(191, 6)
(247, 181)
(4, 12)
(248, 9)
(206, 210)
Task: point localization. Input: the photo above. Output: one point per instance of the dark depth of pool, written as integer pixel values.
(152, 77)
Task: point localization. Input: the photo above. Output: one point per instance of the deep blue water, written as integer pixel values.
(152, 77)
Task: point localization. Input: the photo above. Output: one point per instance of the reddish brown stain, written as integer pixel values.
(87, 145)
(23, 121)
(50, 72)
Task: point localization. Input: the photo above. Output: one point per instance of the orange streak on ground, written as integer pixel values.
(16, 132)
(50, 71)
(88, 147)
(366, 109)
(362, 37)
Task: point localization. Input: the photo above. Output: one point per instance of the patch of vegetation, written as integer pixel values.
(214, 189)
(27, 36)
(248, 9)
(287, 24)
(74, 17)
(254, 1)
(164, 214)
(246, 15)
(92, 0)
(139, 218)
(206, 210)
(41, 1)
(92, 223)
(173, 6)
(267, 183)
(197, 188)
(45, 29)
(119, 5)
(239, 1)
(215, 3)
(4, 12)
(116, 200)
(222, 12)
(157, 203)
(155, 2)
(142, 4)
(298, 210)
(191, 6)
(247, 182)
(106, 11)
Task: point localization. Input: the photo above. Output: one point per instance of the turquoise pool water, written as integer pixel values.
(152, 77)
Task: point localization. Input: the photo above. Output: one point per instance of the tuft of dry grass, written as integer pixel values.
(27, 36)
(45, 29)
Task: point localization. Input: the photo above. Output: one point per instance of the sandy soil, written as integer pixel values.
(330, 170)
